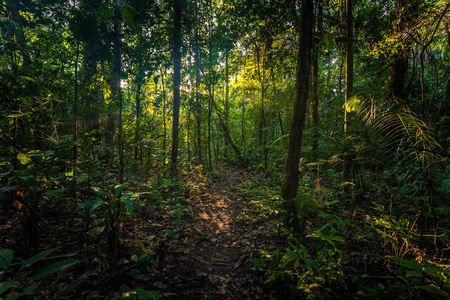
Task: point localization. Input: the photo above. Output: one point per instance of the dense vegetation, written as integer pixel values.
(326, 122)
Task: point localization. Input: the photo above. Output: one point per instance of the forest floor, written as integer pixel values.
(206, 255)
(200, 246)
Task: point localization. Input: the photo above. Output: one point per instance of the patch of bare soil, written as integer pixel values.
(208, 257)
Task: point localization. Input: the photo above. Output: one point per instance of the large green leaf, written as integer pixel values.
(6, 257)
(73, 285)
(105, 12)
(53, 268)
(129, 17)
(4, 286)
(58, 194)
(432, 289)
(34, 259)
(409, 263)
(119, 188)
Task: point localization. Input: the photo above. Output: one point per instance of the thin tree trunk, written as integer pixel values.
(75, 108)
(198, 104)
(243, 122)
(315, 109)
(138, 116)
(210, 89)
(281, 123)
(225, 151)
(348, 90)
(290, 178)
(176, 81)
(227, 136)
(164, 117)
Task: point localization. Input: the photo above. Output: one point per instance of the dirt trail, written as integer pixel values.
(212, 263)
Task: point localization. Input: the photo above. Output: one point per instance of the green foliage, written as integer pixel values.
(426, 276)
(27, 285)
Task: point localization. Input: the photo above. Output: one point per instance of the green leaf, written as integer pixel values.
(29, 181)
(98, 192)
(290, 256)
(329, 41)
(446, 186)
(6, 257)
(414, 273)
(4, 286)
(30, 290)
(34, 259)
(128, 200)
(352, 103)
(432, 289)
(119, 188)
(409, 263)
(82, 178)
(96, 230)
(105, 12)
(436, 272)
(336, 238)
(53, 268)
(73, 285)
(93, 204)
(58, 194)
(135, 273)
(128, 17)
(24, 160)
(6, 189)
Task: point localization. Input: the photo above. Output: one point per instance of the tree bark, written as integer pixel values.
(400, 59)
(348, 89)
(227, 87)
(176, 81)
(198, 104)
(290, 178)
(138, 119)
(315, 109)
(75, 110)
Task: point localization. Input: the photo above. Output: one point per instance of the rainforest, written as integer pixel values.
(224, 149)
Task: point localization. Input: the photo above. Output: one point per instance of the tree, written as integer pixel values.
(348, 89)
(176, 57)
(290, 177)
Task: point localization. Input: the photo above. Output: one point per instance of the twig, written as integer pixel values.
(210, 263)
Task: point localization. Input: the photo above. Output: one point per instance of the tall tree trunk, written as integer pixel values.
(198, 104)
(118, 88)
(315, 108)
(138, 119)
(176, 81)
(227, 87)
(92, 117)
(75, 108)
(211, 90)
(400, 59)
(348, 89)
(164, 117)
(243, 121)
(290, 178)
